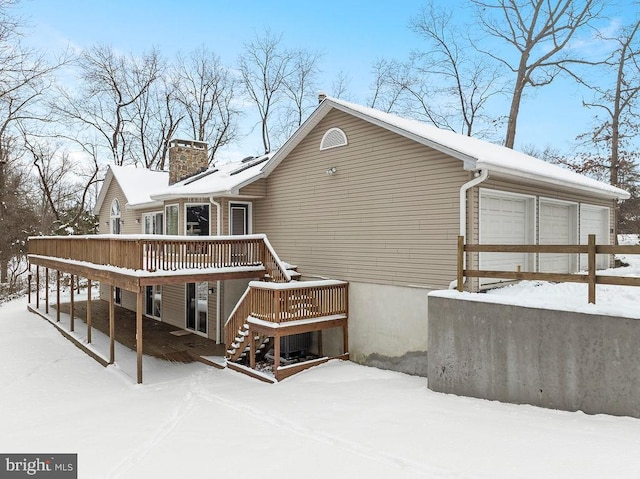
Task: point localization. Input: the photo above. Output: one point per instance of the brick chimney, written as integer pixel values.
(187, 158)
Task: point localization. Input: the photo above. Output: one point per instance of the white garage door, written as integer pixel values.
(594, 220)
(557, 226)
(504, 220)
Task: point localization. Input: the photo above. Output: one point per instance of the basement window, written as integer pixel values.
(333, 138)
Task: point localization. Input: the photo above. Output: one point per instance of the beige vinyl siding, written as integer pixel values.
(389, 215)
(173, 305)
(129, 300)
(127, 216)
(257, 189)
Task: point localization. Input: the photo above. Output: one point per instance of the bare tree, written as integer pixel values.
(300, 88)
(340, 85)
(156, 118)
(449, 71)
(618, 101)
(392, 80)
(17, 218)
(540, 32)
(610, 150)
(65, 186)
(25, 77)
(111, 84)
(265, 66)
(206, 91)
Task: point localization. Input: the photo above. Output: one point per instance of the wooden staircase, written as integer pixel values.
(278, 307)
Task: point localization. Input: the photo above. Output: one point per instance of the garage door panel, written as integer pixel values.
(594, 220)
(556, 226)
(503, 220)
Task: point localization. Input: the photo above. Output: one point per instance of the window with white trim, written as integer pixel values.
(333, 138)
(153, 223)
(115, 217)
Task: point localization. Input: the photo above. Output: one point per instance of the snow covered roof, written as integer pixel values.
(137, 184)
(220, 180)
(475, 153)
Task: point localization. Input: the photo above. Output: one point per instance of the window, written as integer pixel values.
(197, 220)
(115, 217)
(171, 215)
(333, 138)
(153, 223)
(197, 307)
(239, 218)
(153, 305)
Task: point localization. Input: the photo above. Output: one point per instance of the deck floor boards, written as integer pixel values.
(156, 335)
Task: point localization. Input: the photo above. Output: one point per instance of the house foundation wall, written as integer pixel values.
(388, 327)
(548, 358)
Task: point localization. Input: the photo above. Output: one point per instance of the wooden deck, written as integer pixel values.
(157, 338)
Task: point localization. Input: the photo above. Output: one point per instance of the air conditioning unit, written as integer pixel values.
(294, 345)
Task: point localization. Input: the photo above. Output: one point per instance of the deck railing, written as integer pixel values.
(591, 249)
(281, 303)
(163, 253)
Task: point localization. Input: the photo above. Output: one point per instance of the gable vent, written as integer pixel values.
(333, 138)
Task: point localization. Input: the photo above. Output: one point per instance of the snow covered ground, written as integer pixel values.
(336, 420)
(610, 300)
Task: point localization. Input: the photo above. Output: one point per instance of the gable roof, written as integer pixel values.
(221, 180)
(137, 184)
(475, 154)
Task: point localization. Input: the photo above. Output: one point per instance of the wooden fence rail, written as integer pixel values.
(591, 249)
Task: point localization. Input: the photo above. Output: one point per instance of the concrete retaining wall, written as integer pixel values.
(554, 359)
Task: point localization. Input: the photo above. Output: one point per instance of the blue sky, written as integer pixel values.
(351, 35)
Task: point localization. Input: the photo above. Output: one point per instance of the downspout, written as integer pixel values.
(218, 283)
(480, 177)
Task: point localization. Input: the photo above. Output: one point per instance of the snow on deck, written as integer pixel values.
(139, 273)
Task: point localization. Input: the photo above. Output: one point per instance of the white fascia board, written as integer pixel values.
(469, 161)
(103, 191)
(144, 206)
(519, 174)
(304, 129)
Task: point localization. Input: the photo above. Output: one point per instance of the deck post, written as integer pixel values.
(345, 328)
(37, 287)
(29, 287)
(252, 349)
(276, 354)
(57, 296)
(345, 338)
(460, 275)
(46, 291)
(88, 310)
(71, 307)
(139, 334)
(112, 327)
(320, 348)
(591, 274)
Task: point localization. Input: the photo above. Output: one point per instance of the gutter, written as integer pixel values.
(593, 189)
(482, 176)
